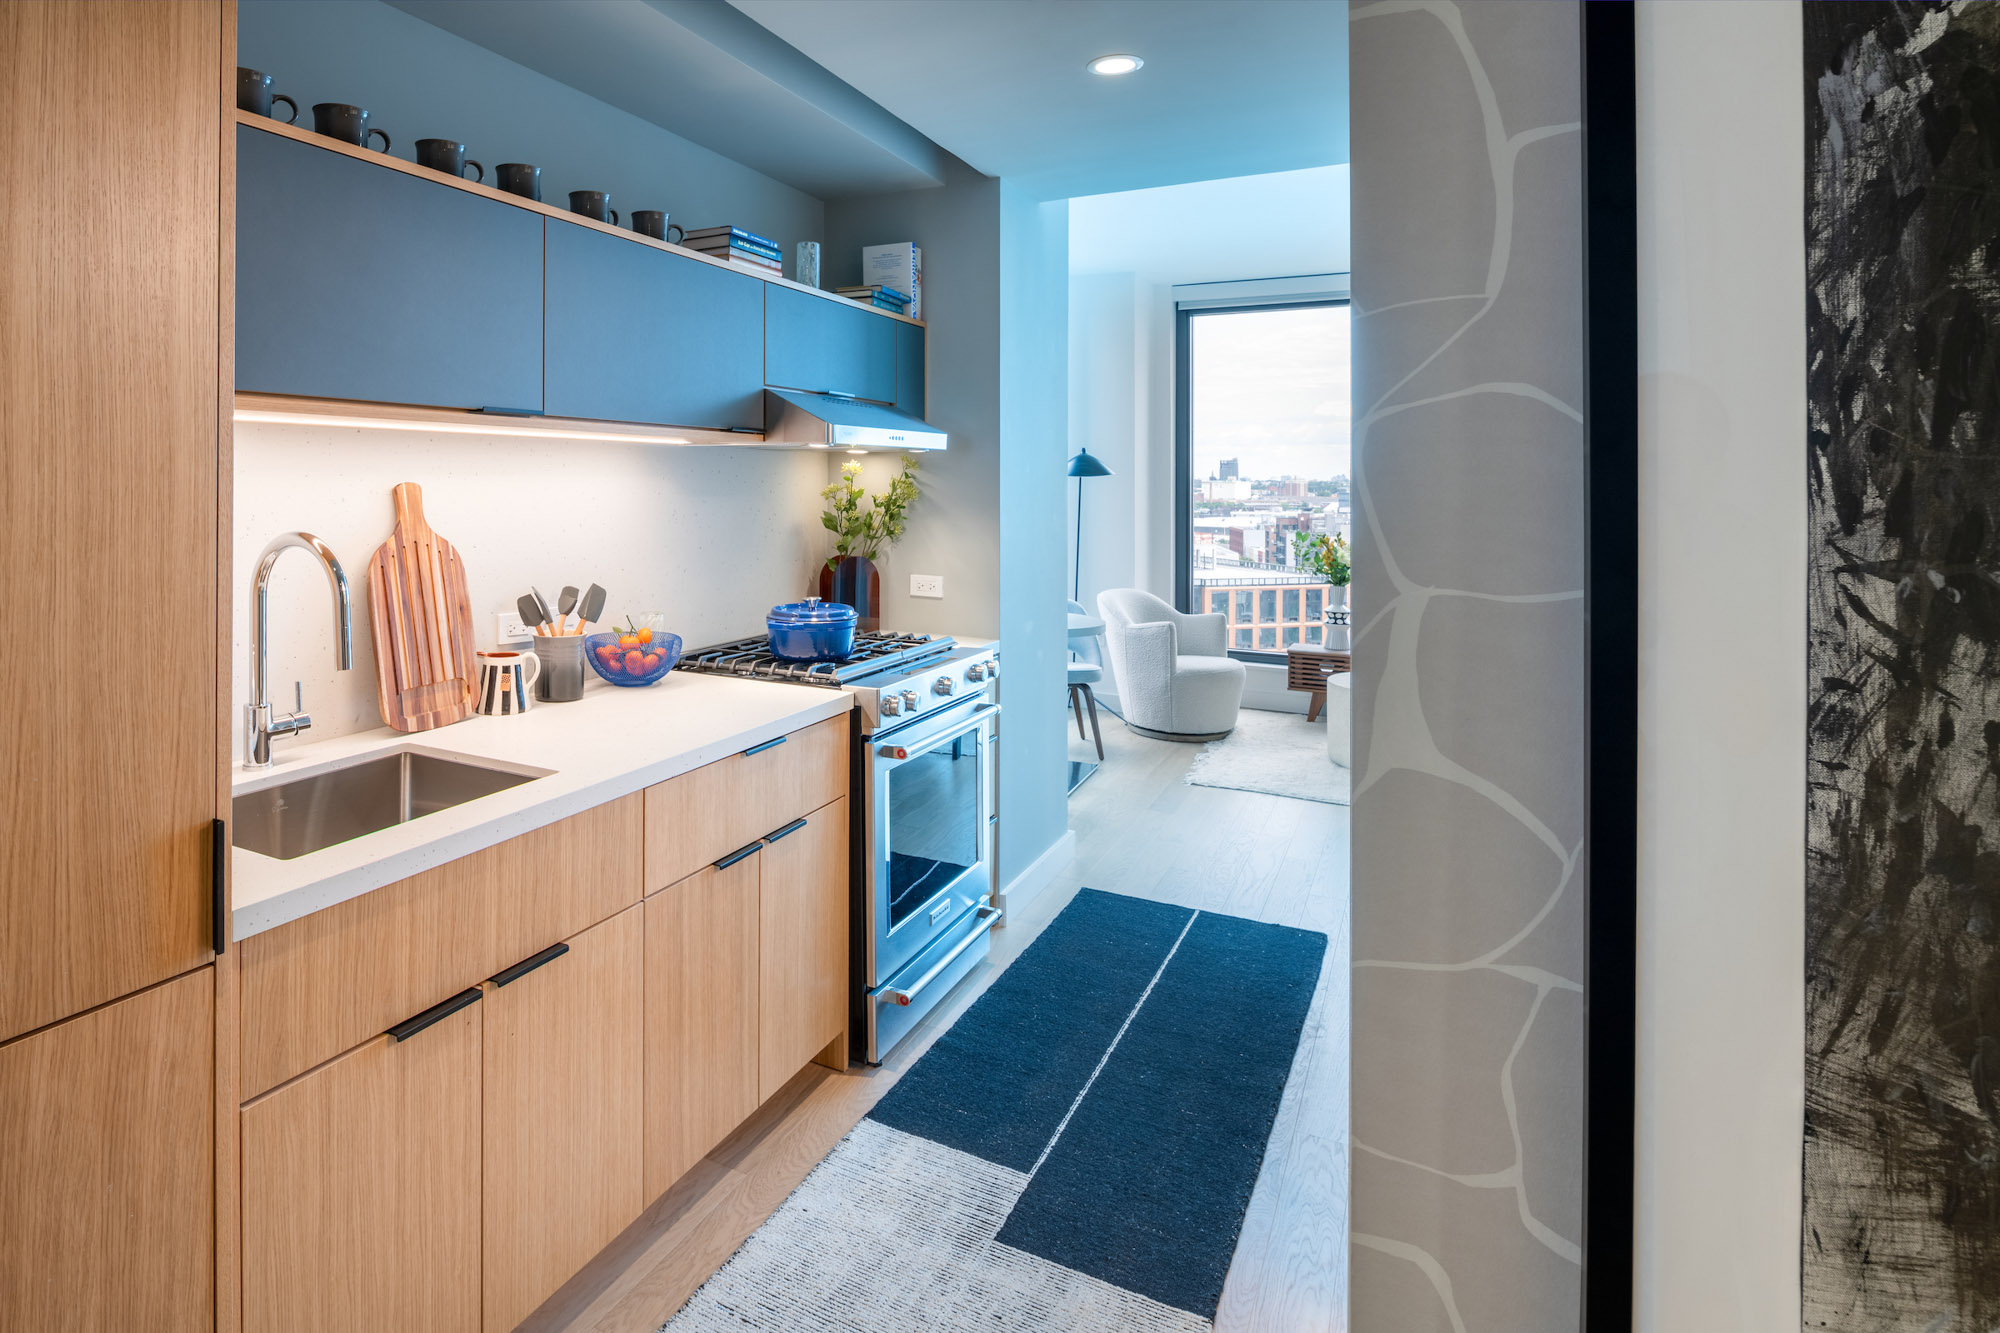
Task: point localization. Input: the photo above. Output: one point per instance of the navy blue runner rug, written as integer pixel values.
(1081, 1144)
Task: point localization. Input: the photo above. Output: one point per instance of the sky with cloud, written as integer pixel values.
(1271, 389)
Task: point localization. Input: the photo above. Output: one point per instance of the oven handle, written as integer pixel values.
(904, 995)
(903, 747)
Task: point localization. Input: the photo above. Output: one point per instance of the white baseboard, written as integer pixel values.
(1021, 890)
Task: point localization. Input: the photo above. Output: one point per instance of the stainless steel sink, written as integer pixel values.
(293, 818)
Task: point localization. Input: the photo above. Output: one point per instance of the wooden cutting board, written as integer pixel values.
(425, 672)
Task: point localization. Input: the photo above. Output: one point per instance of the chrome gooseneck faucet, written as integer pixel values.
(261, 728)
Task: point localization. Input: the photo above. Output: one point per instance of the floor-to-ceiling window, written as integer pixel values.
(1262, 471)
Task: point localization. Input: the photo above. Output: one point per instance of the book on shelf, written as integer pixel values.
(875, 291)
(733, 254)
(720, 245)
(900, 267)
(728, 235)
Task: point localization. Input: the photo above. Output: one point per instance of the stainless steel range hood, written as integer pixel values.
(830, 421)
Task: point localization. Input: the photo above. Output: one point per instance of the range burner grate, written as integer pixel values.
(873, 651)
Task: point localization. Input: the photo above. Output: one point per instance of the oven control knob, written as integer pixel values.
(910, 700)
(891, 705)
(943, 685)
(977, 671)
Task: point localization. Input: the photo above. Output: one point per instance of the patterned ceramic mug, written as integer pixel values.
(504, 679)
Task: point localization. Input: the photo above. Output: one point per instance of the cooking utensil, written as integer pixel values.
(425, 670)
(565, 603)
(531, 615)
(541, 607)
(812, 630)
(591, 607)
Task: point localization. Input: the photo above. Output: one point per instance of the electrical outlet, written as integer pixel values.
(926, 585)
(508, 627)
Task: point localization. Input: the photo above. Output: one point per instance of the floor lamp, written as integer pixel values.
(1083, 465)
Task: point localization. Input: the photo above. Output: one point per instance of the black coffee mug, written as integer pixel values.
(349, 124)
(253, 94)
(652, 222)
(448, 156)
(519, 178)
(593, 204)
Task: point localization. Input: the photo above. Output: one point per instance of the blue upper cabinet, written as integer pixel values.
(362, 283)
(909, 368)
(639, 334)
(823, 345)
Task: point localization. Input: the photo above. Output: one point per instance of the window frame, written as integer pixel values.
(1191, 303)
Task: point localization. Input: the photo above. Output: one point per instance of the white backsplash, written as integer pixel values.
(711, 537)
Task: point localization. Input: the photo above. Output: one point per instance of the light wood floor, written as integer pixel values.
(1142, 831)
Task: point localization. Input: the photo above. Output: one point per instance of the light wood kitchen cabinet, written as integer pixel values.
(361, 1189)
(106, 1175)
(803, 916)
(564, 1097)
(702, 816)
(701, 1016)
(326, 982)
(110, 407)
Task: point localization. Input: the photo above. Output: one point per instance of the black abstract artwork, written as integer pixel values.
(1902, 1135)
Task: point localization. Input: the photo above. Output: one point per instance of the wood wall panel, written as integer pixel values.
(108, 484)
(107, 1202)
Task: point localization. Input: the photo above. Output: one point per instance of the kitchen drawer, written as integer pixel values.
(702, 816)
(315, 987)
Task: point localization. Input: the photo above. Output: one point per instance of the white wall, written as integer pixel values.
(1127, 252)
(712, 537)
(1722, 666)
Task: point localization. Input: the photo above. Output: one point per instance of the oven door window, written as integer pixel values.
(934, 815)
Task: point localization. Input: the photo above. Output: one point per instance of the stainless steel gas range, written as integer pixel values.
(922, 837)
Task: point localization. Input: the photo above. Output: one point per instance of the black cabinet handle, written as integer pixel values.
(790, 828)
(759, 749)
(437, 1013)
(528, 964)
(510, 411)
(218, 851)
(738, 855)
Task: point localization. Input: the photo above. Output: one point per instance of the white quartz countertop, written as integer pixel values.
(608, 744)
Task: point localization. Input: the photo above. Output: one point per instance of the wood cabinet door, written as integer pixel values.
(107, 1193)
(360, 283)
(110, 414)
(361, 1183)
(702, 816)
(827, 346)
(639, 334)
(564, 1089)
(909, 369)
(803, 922)
(701, 1016)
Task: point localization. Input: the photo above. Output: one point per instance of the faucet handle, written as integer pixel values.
(298, 696)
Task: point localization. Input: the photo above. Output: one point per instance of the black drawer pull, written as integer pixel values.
(437, 1013)
(528, 964)
(759, 749)
(218, 864)
(792, 827)
(738, 855)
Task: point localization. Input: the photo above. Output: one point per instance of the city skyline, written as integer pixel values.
(1270, 388)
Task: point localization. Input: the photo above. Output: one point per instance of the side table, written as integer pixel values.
(1306, 668)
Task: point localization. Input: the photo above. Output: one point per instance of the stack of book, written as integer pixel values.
(882, 298)
(899, 267)
(744, 248)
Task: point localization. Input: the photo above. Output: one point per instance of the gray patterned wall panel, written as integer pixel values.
(1469, 856)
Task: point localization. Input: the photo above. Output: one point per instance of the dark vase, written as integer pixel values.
(854, 581)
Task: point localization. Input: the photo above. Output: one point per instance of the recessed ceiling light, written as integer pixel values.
(1114, 64)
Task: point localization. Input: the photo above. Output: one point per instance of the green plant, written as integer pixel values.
(865, 530)
(1326, 556)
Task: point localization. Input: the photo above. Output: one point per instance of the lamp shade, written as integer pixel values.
(1083, 465)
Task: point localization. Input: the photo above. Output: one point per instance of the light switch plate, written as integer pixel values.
(926, 585)
(508, 627)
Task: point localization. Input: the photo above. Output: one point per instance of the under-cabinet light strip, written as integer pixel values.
(451, 427)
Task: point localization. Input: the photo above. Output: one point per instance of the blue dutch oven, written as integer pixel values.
(812, 630)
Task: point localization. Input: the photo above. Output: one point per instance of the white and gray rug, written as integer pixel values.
(1280, 754)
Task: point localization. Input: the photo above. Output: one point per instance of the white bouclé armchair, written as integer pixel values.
(1175, 678)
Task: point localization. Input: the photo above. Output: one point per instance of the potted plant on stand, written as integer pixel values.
(860, 532)
(1327, 555)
